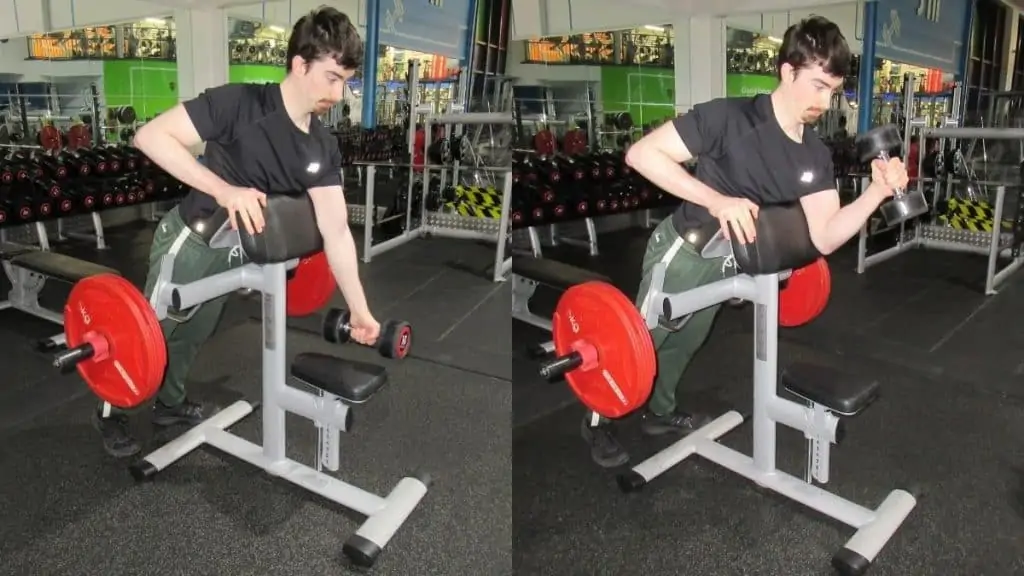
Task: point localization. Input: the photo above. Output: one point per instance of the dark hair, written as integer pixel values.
(815, 40)
(326, 32)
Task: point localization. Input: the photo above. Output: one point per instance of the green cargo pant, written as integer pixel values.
(185, 331)
(685, 270)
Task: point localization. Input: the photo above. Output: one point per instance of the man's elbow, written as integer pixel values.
(635, 153)
(823, 243)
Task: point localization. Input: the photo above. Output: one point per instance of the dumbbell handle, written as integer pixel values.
(884, 156)
(66, 360)
(559, 366)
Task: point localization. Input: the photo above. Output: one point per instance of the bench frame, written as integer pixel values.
(385, 515)
(522, 290)
(874, 528)
(26, 286)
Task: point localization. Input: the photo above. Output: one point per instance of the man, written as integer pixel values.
(751, 152)
(260, 139)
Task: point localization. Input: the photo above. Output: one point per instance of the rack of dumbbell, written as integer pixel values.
(560, 188)
(38, 185)
(380, 144)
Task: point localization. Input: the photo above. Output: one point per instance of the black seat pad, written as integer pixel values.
(59, 266)
(352, 381)
(839, 391)
(553, 273)
(783, 242)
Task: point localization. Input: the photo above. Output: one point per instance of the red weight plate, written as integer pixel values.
(826, 285)
(78, 136)
(544, 142)
(112, 309)
(49, 138)
(598, 321)
(805, 294)
(312, 286)
(574, 142)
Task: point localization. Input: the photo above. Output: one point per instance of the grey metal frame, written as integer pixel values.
(385, 515)
(875, 527)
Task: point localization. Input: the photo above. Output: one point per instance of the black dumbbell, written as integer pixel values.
(395, 338)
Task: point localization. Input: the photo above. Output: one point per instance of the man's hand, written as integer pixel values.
(245, 205)
(740, 213)
(364, 329)
(889, 176)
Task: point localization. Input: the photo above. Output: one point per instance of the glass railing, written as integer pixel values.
(158, 43)
(603, 48)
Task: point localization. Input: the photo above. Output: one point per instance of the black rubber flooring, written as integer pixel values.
(948, 425)
(67, 508)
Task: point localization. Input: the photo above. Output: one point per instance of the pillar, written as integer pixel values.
(699, 60)
(965, 42)
(866, 82)
(370, 56)
(1010, 55)
(202, 50)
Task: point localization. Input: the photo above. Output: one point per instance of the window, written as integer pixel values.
(489, 47)
(986, 58)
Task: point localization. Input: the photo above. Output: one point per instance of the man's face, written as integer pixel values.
(810, 90)
(324, 81)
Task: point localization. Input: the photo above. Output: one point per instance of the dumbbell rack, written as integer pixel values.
(438, 224)
(994, 245)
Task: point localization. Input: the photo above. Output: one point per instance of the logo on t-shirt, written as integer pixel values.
(313, 167)
(807, 177)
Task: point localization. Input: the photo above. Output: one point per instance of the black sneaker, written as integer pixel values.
(679, 423)
(117, 439)
(605, 449)
(188, 413)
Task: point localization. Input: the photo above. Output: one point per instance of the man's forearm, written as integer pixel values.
(671, 177)
(166, 152)
(850, 218)
(340, 249)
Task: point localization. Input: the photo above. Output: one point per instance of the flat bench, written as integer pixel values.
(528, 272)
(28, 270)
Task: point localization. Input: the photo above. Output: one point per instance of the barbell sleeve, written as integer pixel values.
(66, 360)
(559, 366)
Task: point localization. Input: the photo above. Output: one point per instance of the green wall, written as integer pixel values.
(749, 84)
(648, 94)
(151, 86)
(255, 74)
(147, 85)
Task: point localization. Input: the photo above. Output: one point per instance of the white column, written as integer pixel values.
(699, 61)
(202, 44)
(1010, 57)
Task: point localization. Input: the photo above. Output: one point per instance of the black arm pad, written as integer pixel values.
(783, 242)
(291, 231)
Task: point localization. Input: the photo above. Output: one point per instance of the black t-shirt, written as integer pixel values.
(251, 142)
(743, 152)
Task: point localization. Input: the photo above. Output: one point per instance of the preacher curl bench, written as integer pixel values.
(783, 244)
(291, 234)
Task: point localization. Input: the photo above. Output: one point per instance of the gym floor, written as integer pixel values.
(68, 509)
(948, 424)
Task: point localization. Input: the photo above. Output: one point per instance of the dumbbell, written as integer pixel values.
(876, 144)
(395, 338)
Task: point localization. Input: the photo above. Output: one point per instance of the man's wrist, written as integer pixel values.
(878, 192)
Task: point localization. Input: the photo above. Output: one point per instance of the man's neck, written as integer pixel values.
(789, 122)
(293, 104)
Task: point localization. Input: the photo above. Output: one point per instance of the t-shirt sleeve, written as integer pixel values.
(703, 127)
(331, 174)
(822, 175)
(214, 113)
